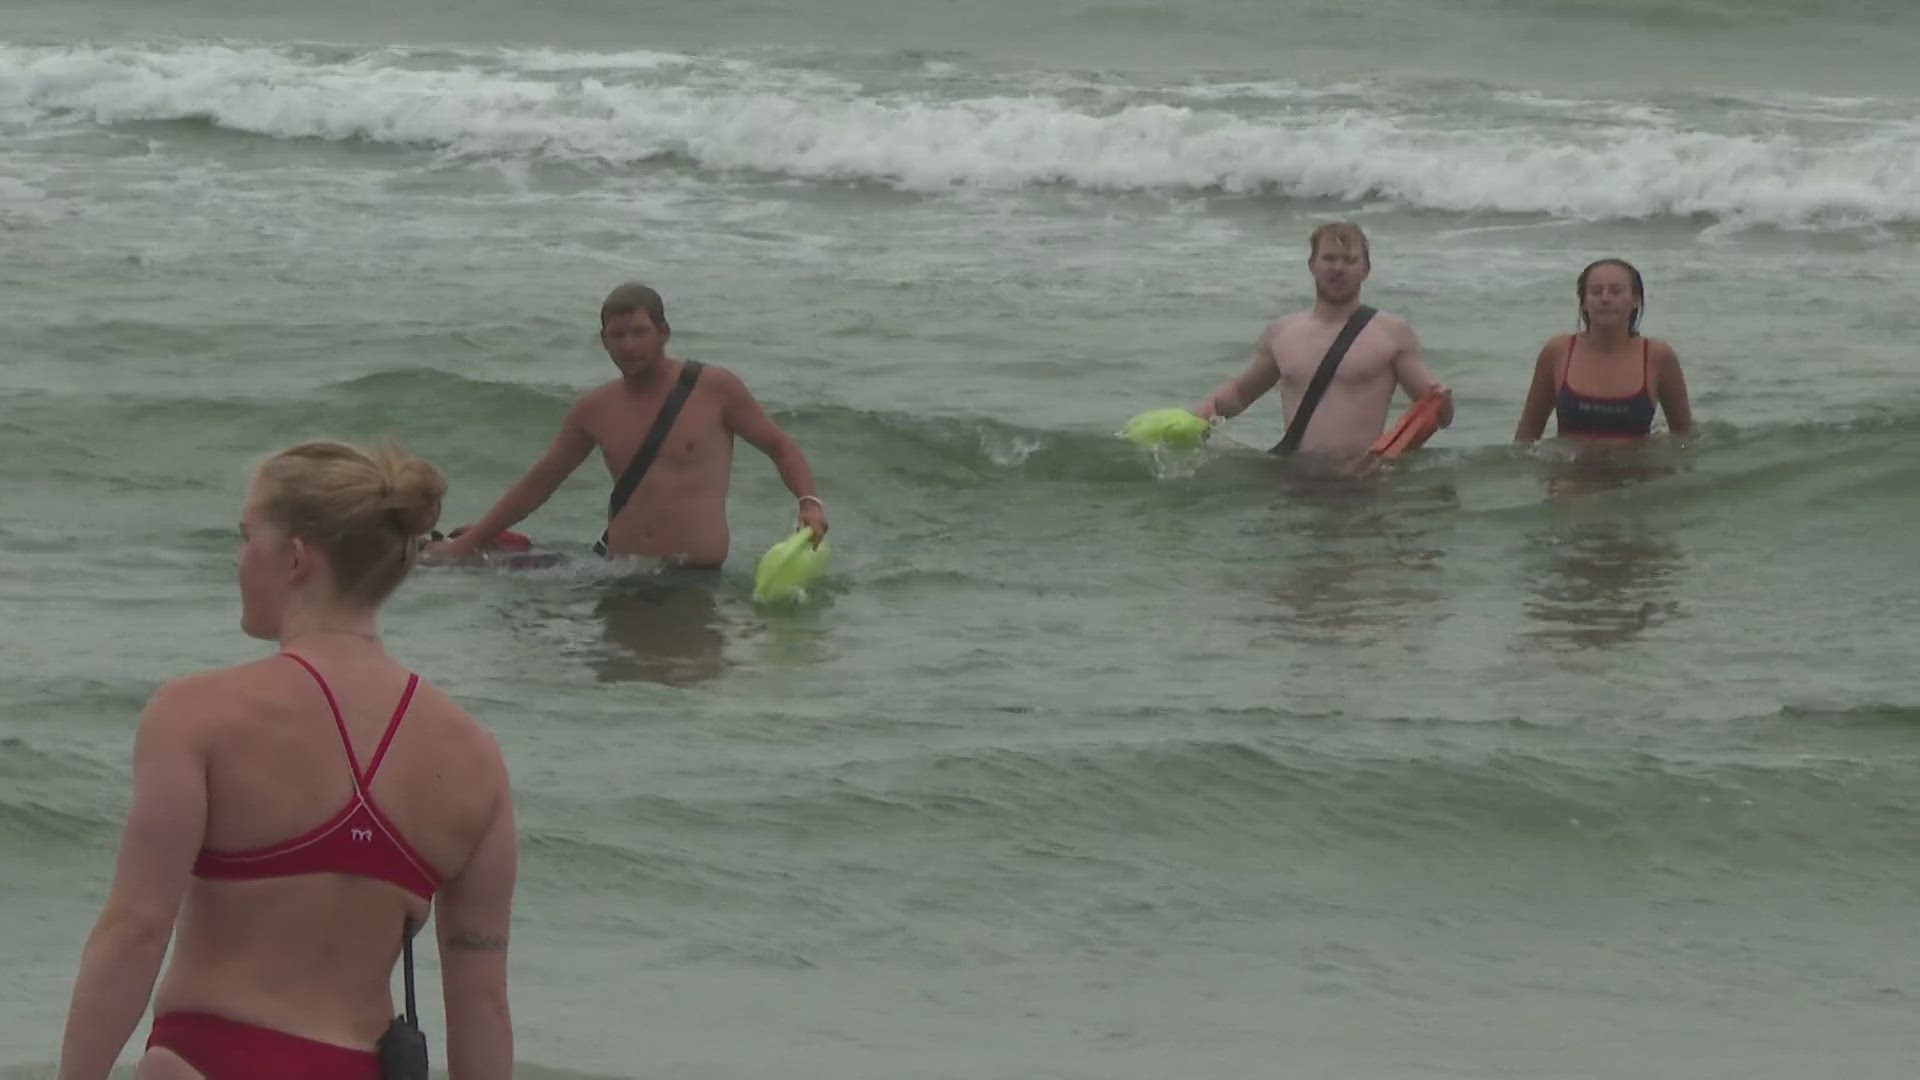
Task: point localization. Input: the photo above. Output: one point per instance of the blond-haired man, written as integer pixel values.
(1381, 353)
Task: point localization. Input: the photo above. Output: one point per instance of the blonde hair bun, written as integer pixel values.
(365, 510)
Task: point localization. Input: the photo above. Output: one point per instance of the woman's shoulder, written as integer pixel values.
(1555, 347)
(270, 675)
(198, 703)
(456, 724)
(212, 685)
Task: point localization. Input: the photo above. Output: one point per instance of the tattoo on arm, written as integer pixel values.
(478, 942)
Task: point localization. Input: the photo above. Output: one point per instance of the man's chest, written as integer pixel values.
(1368, 360)
(697, 435)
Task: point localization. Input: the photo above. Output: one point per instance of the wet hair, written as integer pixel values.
(631, 297)
(1343, 233)
(1639, 292)
(366, 511)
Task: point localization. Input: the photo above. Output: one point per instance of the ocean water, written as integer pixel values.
(1085, 763)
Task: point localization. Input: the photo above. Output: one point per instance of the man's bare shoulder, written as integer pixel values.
(725, 385)
(1284, 332)
(606, 391)
(1398, 330)
(1396, 325)
(592, 406)
(718, 377)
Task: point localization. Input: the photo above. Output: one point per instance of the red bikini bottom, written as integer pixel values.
(222, 1049)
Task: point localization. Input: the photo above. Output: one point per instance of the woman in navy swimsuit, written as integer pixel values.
(1605, 381)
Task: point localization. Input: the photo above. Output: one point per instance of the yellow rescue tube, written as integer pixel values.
(1167, 427)
(788, 568)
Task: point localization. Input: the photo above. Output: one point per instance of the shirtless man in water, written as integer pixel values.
(678, 514)
(1353, 412)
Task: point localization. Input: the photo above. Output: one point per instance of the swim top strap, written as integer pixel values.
(360, 780)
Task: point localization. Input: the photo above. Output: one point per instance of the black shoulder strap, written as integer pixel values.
(636, 470)
(1297, 429)
(406, 953)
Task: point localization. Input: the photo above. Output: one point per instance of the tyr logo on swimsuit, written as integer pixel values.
(361, 834)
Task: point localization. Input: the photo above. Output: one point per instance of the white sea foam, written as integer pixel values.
(621, 109)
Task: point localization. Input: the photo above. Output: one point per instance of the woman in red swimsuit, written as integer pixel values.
(292, 814)
(1603, 381)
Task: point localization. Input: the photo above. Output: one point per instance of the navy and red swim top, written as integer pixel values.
(1594, 416)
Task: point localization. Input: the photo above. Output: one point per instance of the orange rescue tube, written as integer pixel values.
(1413, 429)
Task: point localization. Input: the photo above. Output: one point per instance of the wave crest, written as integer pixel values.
(727, 115)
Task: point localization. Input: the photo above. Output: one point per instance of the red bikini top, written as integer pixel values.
(358, 840)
